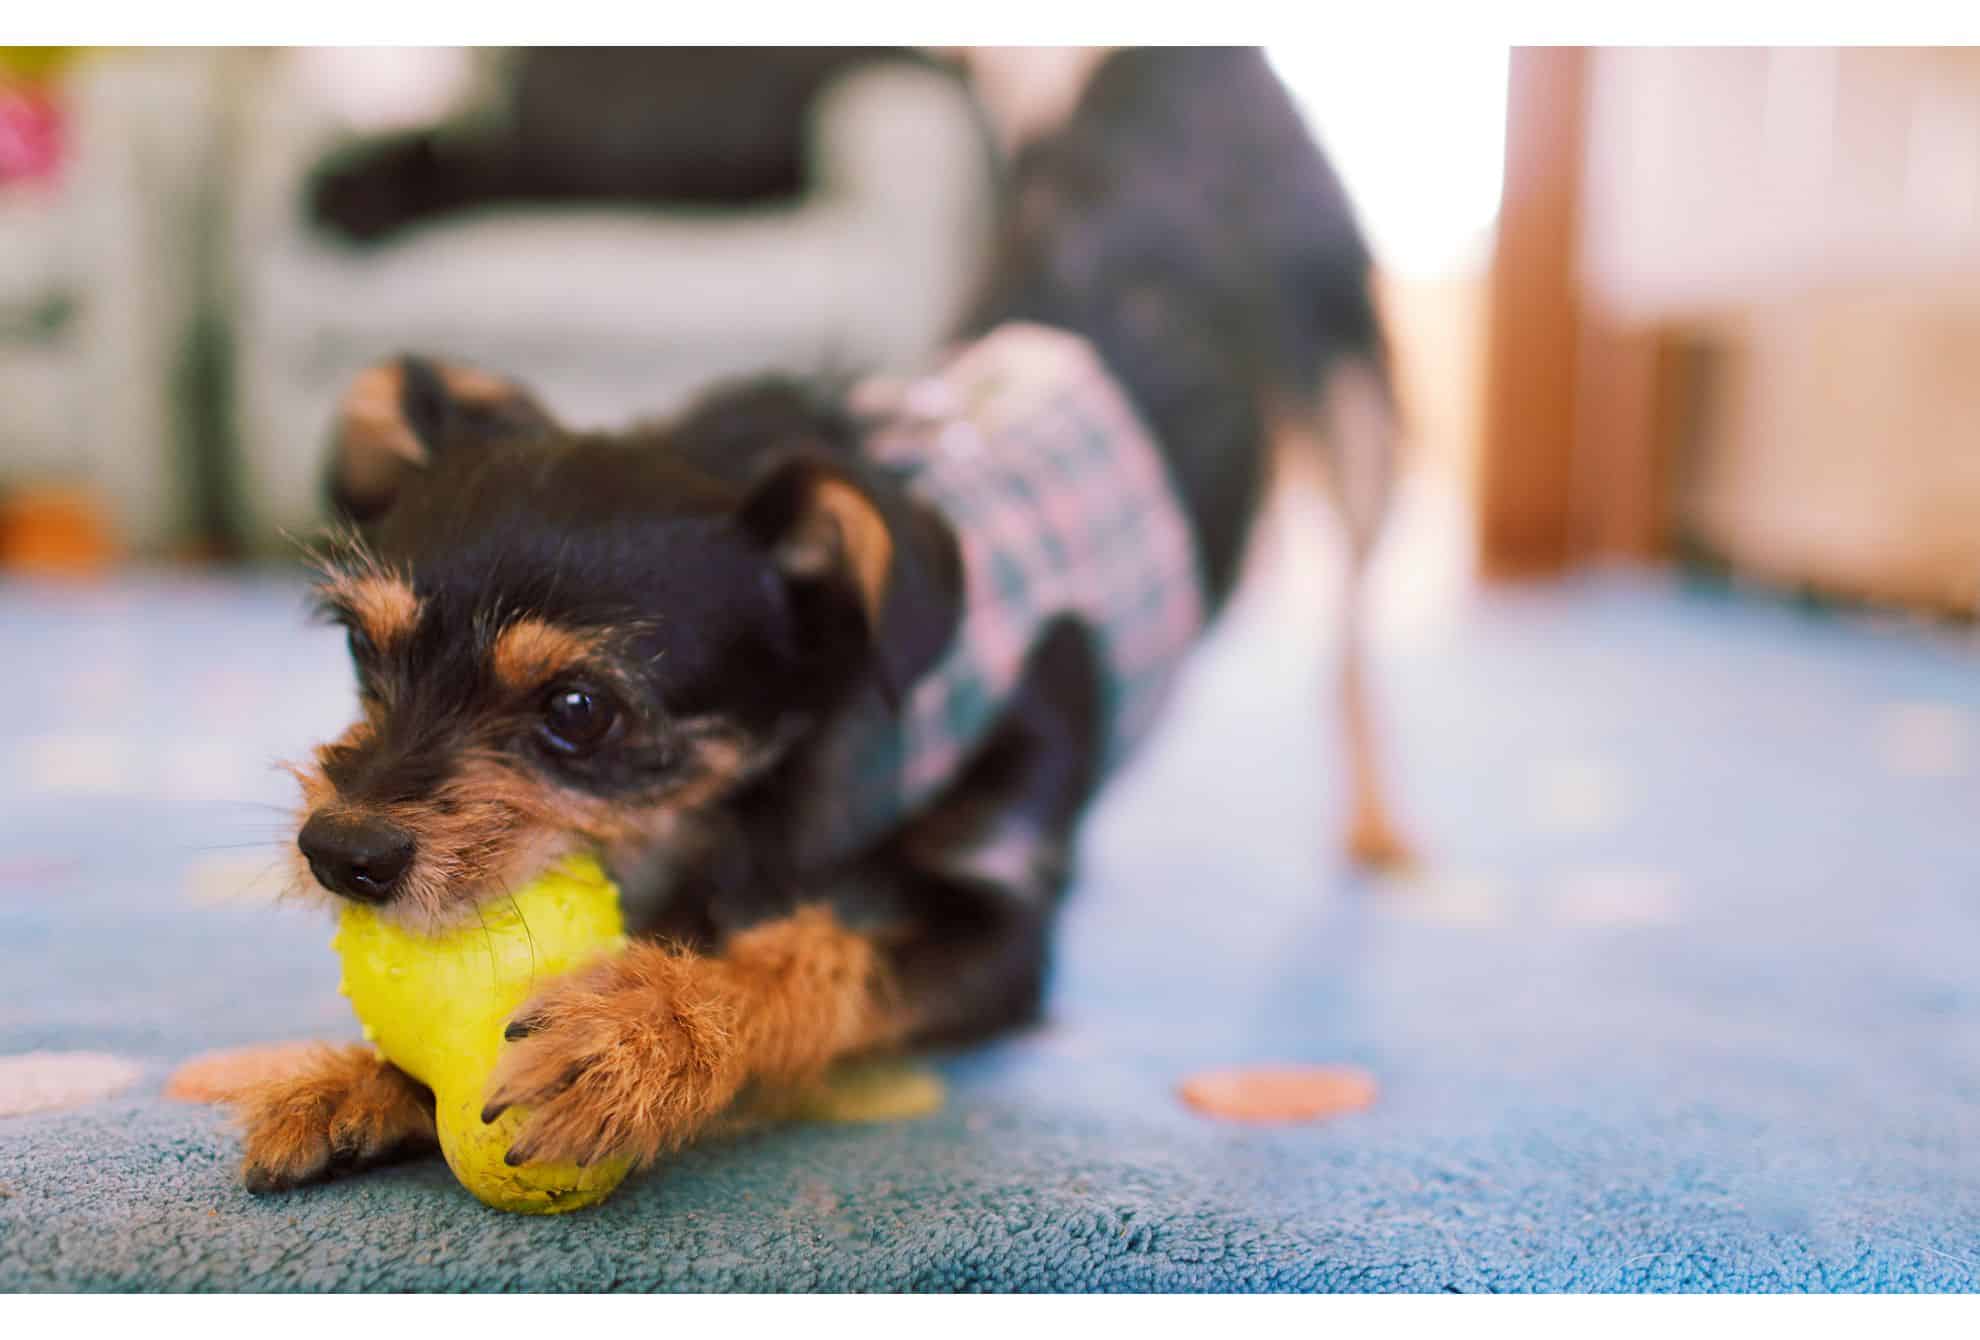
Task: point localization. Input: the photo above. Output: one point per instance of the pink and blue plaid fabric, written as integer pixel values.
(1063, 507)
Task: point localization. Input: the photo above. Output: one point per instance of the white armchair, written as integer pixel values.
(609, 314)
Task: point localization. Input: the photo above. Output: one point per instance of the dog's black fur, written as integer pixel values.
(1185, 221)
(711, 596)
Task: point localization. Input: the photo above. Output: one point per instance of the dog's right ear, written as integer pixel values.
(877, 563)
(400, 416)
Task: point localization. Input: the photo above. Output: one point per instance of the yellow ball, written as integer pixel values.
(436, 1007)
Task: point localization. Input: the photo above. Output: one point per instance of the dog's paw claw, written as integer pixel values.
(349, 1112)
(612, 1063)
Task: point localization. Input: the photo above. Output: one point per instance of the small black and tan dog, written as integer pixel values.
(831, 705)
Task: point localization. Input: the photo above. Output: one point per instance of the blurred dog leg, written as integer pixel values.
(1357, 432)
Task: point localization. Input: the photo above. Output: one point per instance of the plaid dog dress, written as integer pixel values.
(1062, 506)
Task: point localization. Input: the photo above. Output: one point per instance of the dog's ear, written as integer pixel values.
(863, 564)
(399, 416)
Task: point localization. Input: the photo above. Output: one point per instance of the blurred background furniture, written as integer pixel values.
(1734, 302)
(610, 313)
(100, 285)
(1739, 319)
(38, 432)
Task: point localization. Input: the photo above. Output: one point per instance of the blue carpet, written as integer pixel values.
(1686, 999)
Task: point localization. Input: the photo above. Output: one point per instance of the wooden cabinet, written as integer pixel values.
(1772, 298)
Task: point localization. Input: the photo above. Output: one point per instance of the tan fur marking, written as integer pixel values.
(1374, 842)
(485, 830)
(530, 653)
(372, 412)
(345, 1108)
(372, 415)
(382, 603)
(375, 444)
(845, 528)
(474, 385)
(637, 1055)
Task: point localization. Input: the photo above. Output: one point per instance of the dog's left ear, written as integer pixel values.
(400, 416)
(853, 551)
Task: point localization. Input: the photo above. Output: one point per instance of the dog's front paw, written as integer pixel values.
(346, 1110)
(629, 1058)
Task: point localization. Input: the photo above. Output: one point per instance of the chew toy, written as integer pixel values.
(436, 1007)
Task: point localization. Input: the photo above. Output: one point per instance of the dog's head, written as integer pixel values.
(568, 639)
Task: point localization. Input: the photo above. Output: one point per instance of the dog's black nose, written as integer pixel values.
(358, 858)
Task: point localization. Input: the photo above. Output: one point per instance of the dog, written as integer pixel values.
(828, 671)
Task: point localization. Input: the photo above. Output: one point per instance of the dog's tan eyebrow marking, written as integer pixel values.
(531, 651)
(382, 605)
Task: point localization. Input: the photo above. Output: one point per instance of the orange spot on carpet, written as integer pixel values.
(1280, 1093)
(45, 1081)
(217, 1076)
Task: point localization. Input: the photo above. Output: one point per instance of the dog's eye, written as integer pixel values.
(575, 720)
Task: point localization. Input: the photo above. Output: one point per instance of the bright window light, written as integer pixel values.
(1418, 135)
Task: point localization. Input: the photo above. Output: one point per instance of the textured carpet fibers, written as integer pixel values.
(1684, 998)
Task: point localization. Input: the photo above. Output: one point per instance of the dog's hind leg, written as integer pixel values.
(1356, 430)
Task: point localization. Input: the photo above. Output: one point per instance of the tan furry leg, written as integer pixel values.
(1358, 423)
(345, 1109)
(637, 1055)
(1373, 840)
(1361, 427)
